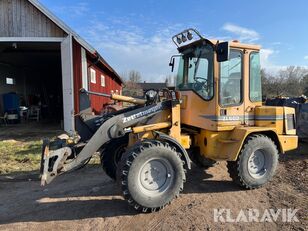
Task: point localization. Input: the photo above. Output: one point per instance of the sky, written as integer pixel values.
(136, 35)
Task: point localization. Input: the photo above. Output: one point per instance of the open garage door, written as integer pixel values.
(32, 88)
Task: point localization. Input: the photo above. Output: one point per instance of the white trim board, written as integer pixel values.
(67, 84)
(31, 39)
(84, 69)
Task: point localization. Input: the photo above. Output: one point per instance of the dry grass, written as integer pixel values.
(20, 146)
(19, 156)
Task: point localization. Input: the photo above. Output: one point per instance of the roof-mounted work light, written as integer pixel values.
(184, 36)
(178, 40)
(184, 39)
(189, 35)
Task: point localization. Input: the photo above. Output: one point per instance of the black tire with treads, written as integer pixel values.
(111, 154)
(238, 170)
(131, 166)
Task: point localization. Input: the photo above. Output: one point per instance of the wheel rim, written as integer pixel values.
(258, 164)
(155, 176)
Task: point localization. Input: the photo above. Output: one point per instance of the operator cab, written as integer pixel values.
(196, 70)
(216, 81)
(196, 66)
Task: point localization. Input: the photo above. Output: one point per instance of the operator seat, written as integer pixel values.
(231, 89)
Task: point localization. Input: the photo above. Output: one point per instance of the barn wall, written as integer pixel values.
(98, 102)
(19, 18)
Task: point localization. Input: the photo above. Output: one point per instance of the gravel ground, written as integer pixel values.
(88, 200)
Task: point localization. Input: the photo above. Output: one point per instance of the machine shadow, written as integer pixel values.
(79, 202)
(73, 210)
(199, 180)
(86, 196)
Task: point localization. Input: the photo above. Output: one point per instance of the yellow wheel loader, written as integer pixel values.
(215, 114)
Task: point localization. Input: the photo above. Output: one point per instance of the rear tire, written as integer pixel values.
(256, 163)
(151, 175)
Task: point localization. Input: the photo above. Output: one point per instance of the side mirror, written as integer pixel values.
(222, 51)
(171, 64)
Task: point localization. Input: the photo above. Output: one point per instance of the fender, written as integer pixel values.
(170, 140)
(233, 145)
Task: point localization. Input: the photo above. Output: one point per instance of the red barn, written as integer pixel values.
(44, 63)
(100, 77)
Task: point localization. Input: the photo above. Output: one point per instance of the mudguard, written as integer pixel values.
(174, 142)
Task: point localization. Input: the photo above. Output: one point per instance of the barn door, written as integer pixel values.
(67, 84)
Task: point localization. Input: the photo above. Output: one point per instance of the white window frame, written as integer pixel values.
(10, 81)
(93, 75)
(84, 69)
(103, 81)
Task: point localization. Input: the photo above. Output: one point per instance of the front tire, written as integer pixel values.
(151, 175)
(256, 163)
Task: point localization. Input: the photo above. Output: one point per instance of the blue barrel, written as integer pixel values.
(11, 103)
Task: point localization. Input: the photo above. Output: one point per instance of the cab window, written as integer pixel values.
(231, 79)
(255, 92)
(196, 72)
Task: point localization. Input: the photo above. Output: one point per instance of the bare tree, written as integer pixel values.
(305, 85)
(132, 88)
(288, 82)
(134, 76)
(291, 78)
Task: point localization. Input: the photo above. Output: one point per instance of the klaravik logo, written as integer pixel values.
(255, 215)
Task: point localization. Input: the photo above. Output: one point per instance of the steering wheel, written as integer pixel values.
(200, 84)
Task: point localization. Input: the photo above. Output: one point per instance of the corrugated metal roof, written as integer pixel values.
(70, 31)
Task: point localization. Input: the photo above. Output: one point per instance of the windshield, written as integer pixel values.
(196, 72)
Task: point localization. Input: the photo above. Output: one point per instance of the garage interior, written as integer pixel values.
(31, 82)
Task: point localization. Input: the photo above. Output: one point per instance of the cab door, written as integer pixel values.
(253, 93)
(231, 94)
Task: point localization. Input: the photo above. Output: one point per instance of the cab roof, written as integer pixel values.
(232, 44)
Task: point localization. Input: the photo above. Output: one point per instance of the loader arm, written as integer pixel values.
(56, 162)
